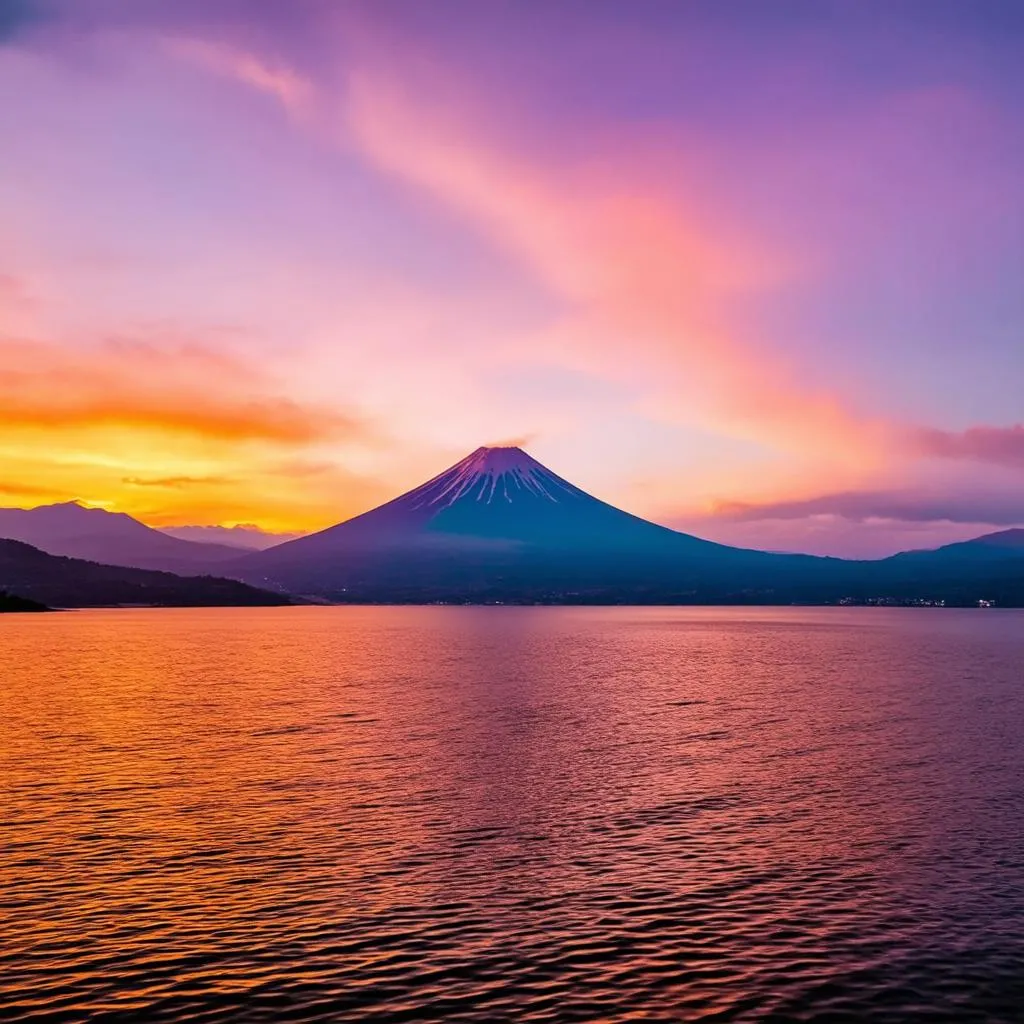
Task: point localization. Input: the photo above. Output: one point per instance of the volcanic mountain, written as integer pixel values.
(500, 526)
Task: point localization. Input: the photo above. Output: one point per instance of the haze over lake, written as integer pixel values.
(512, 814)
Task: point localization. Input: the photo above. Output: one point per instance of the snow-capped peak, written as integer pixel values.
(500, 473)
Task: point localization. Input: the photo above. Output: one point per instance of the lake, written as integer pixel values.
(512, 814)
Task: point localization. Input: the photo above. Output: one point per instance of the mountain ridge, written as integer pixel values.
(61, 582)
(76, 530)
(989, 546)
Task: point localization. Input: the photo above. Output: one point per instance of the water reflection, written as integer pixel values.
(521, 814)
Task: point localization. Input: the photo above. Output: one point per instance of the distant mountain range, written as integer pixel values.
(246, 538)
(114, 538)
(500, 527)
(27, 573)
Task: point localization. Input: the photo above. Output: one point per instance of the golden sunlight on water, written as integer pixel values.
(459, 814)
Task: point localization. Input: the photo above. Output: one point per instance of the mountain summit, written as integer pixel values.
(502, 472)
(489, 477)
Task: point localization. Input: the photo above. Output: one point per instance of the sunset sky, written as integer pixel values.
(752, 269)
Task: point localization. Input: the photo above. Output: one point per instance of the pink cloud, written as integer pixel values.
(294, 91)
(1002, 446)
(648, 277)
(183, 388)
(648, 274)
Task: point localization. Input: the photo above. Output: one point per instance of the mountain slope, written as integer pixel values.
(499, 525)
(991, 547)
(73, 583)
(112, 538)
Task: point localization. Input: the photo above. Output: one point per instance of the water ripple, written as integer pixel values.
(536, 815)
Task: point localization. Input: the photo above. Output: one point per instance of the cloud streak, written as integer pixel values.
(633, 261)
(187, 389)
(645, 276)
(1005, 509)
(1001, 446)
(294, 91)
(178, 482)
(169, 432)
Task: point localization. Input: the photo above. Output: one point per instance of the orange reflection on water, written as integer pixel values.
(468, 813)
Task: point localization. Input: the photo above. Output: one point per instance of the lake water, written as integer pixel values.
(512, 814)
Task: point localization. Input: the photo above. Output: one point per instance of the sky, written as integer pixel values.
(748, 269)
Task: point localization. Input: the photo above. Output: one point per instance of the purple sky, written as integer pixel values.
(751, 269)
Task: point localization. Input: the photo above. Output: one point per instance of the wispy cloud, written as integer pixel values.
(648, 277)
(178, 482)
(14, 489)
(170, 432)
(188, 389)
(1002, 446)
(907, 506)
(521, 441)
(630, 259)
(293, 90)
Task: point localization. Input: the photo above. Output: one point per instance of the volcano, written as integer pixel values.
(495, 497)
(499, 525)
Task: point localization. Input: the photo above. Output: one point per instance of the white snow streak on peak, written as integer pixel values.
(493, 474)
